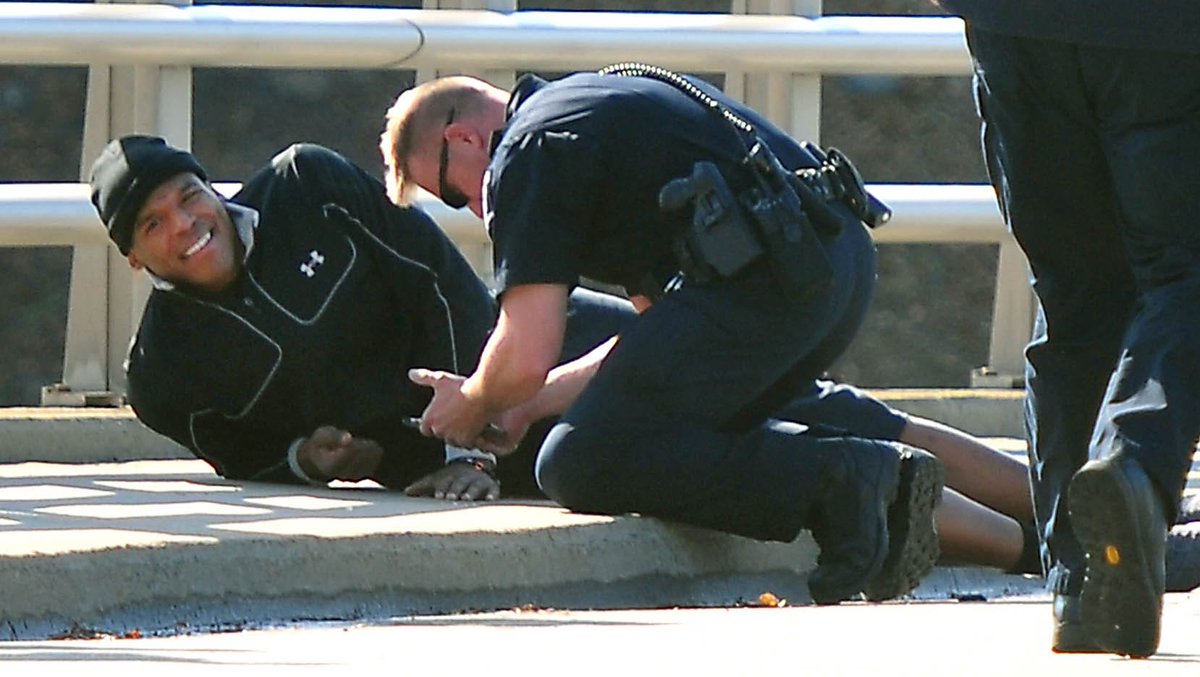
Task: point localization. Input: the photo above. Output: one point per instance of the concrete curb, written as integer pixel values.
(160, 546)
(106, 525)
(80, 435)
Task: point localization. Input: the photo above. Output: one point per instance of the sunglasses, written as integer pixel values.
(451, 196)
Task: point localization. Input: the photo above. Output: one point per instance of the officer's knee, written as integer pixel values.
(566, 469)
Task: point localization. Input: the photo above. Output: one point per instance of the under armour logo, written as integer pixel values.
(309, 267)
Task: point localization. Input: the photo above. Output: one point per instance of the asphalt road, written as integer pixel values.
(1007, 637)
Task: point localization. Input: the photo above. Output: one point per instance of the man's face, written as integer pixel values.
(183, 234)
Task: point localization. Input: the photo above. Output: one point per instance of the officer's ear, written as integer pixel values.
(465, 132)
(134, 261)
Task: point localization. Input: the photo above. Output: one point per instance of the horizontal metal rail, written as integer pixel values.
(342, 37)
(61, 214)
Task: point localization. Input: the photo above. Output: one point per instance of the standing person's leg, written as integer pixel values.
(1123, 502)
(1047, 164)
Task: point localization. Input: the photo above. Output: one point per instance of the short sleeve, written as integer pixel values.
(542, 191)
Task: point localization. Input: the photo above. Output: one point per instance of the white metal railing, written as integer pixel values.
(142, 54)
(342, 37)
(60, 214)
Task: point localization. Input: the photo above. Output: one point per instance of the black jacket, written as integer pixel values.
(292, 346)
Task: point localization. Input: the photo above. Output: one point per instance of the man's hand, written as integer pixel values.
(451, 416)
(333, 454)
(455, 482)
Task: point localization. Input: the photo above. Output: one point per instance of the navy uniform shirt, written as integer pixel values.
(572, 189)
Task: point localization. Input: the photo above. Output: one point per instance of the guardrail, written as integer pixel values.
(144, 53)
(60, 214)
(343, 37)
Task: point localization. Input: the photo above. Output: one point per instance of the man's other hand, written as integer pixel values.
(333, 454)
(456, 482)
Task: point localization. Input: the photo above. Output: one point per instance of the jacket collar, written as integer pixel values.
(526, 86)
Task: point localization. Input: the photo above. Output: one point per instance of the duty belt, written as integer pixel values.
(779, 216)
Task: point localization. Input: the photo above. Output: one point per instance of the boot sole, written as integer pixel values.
(1120, 608)
(913, 549)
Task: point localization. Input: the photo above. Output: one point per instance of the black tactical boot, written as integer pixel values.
(1118, 519)
(913, 539)
(1069, 635)
(870, 490)
(1183, 575)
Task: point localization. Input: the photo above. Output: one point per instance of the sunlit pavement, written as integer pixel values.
(924, 638)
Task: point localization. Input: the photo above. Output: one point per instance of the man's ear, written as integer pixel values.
(134, 261)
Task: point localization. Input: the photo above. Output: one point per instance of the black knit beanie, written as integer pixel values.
(125, 174)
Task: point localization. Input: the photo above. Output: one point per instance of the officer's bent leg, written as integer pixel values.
(853, 256)
(846, 408)
(651, 432)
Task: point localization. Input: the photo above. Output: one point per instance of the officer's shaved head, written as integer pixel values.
(413, 122)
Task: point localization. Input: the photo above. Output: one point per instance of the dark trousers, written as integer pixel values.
(592, 318)
(1093, 154)
(678, 421)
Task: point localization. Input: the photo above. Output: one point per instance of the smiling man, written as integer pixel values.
(276, 342)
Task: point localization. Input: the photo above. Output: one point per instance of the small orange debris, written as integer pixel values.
(769, 599)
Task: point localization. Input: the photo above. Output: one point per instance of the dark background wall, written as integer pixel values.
(929, 323)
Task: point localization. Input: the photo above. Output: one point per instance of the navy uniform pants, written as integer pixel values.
(592, 318)
(1093, 154)
(687, 419)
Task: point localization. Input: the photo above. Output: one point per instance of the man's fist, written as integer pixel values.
(333, 454)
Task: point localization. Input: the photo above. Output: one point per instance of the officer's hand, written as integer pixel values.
(503, 438)
(457, 482)
(333, 454)
(450, 416)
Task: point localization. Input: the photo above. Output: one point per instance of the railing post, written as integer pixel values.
(790, 100)
(106, 297)
(1012, 322)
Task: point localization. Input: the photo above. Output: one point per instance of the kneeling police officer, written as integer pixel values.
(746, 253)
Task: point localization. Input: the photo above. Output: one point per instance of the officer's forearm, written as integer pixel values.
(505, 377)
(522, 349)
(511, 371)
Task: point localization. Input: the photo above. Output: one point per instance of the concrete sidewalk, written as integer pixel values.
(157, 542)
(160, 545)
